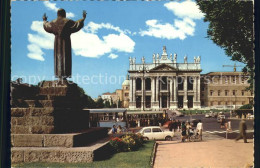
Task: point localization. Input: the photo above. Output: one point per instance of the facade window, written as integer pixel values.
(147, 84)
(226, 103)
(202, 103)
(242, 93)
(234, 92)
(211, 92)
(219, 103)
(218, 92)
(243, 102)
(148, 101)
(190, 83)
(202, 88)
(164, 83)
(126, 94)
(138, 84)
(226, 92)
(126, 88)
(180, 83)
(211, 103)
(202, 95)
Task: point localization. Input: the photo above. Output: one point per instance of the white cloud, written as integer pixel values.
(35, 52)
(52, 6)
(113, 56)
(185, 9)
(84, 43)
(91, 45)
(40, 40)
(94, 27)
(182, 27)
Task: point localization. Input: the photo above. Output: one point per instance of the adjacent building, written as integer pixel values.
(225, 90)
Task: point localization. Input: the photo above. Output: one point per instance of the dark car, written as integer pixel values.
(194, 122)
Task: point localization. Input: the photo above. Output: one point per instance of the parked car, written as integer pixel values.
(178, 113)
(213, 114)
(156, 133)
(194, 122)
(207, 115)
(220, 117)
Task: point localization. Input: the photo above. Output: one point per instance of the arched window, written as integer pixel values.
(147, 84)
(138, 84)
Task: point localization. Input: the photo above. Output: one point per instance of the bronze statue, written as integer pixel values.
(62, 28)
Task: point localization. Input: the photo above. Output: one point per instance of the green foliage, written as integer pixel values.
(246, 106)
(231, 28)
(99, 103)
(107, 104)
(129, 142)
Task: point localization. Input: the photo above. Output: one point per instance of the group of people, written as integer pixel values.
(116, 129)
(187, 131)
(174, 125)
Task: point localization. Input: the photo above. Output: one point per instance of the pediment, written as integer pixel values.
(164, 67)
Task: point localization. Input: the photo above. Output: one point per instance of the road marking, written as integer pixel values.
(220, 132)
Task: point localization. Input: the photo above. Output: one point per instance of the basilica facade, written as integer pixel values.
(165, 83)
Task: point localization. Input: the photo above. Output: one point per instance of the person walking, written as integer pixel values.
(188, 127)
(199, 129)
(242, 131)
(183, 131)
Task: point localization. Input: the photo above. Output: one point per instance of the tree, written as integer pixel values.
(99, 103)
(231, 28)
(107, 104)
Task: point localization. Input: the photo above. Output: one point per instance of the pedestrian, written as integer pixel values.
(174, 125)
(222, 123)
(114, 130)
(199, 129)
(119, 129)
(170, 126)
(242, 131)
(188, 127)
(183, 131)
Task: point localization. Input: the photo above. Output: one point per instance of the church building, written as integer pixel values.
(166, 83)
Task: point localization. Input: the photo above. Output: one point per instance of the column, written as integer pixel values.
(195, 92)
(156, 97)
(171, 92)
(131, 90)
(198, 97)
(185, 101)
(134, 90)
(143, 89)
(152, 90)
(175, 89)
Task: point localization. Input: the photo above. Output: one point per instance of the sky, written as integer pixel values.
(113, 31)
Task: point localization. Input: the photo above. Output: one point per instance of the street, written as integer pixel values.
(213, 151)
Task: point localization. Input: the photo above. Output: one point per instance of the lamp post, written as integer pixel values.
(143, 69)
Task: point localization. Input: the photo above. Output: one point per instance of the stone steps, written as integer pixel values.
(58, 140)
(61, 154)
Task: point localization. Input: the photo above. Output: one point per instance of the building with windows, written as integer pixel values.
(225, 90)
(164, 83)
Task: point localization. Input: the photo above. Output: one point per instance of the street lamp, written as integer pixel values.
(143, 69)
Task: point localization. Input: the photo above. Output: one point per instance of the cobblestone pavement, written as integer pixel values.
(213, 152)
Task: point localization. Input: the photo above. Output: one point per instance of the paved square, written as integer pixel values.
(218, 153)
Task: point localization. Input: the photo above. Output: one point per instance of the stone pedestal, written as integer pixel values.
(52, 107)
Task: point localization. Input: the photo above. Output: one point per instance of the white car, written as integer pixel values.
(207, 115)
(156, 133)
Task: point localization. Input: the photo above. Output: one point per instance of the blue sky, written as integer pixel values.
(113, 32)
